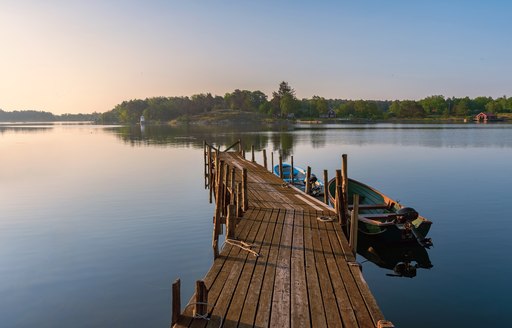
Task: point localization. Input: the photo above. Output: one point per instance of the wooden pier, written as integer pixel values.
(285, 261)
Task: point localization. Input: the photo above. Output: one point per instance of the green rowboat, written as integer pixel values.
(384, 218)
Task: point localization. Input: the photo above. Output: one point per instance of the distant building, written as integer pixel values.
(330, 114)
(486, 117)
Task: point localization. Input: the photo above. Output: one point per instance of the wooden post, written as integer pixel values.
(240, 146)
(354, 221)
(205, 165)
(218, 212)
(243, 153)
(385, 324)
(339, 203)
(230, 222)
(291, 171)
(210, 172)
(176, 302)
(201, 306)
(308, 179)
(245, 200)
(326, 187)
(238, 199)
(225, 180)
(344, 174)
(272, 161)
(265, 159)
(232, 186)
(281, 175)
(252, 154)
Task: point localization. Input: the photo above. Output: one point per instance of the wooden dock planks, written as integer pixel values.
(303, 276)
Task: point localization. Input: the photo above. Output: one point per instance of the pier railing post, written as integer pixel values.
(232, 186)
(245, 200)
(230, 222)
(308, 180)
(238, 199)
(326, 187)
(201, 306)
(176, 302)
(354, 222)
(265, 159)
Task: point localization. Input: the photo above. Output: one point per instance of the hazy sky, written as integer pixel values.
(83, 56)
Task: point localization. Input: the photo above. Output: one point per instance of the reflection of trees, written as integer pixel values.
(193, 136)
(24, 129)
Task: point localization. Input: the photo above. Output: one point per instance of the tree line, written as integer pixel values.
(42, 116)
(285, 104)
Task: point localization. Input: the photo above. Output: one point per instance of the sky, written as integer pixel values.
(88, 56)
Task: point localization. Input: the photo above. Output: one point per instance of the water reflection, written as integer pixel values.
(285, 138)
(403, 260)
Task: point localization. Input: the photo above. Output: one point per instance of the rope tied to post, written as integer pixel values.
(243, 245)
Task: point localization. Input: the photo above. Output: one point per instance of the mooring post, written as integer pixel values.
(252, 154)
(308, 180)
(339, 203)
(344, 174)
(238, 199)
(176, 302)
(354, 221)
(245, 200)
(265, 159)
(326, 187)
(281, 174)
(201, 306)
(230, 222)
(291, 171)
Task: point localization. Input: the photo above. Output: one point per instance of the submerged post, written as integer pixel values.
(354, 221)
(265, 159)
(245, 200)
(201, 306)
(308, 180)
(176, 301)
(326, 187)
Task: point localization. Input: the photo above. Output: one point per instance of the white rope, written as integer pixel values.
(243, 245)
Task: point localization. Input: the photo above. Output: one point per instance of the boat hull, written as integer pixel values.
(378, 215)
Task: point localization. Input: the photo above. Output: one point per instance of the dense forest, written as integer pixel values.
(285, 104)
(41, 116)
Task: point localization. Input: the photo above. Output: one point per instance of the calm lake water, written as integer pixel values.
(97, 221)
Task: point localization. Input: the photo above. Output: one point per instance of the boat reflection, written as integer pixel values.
(402, 260)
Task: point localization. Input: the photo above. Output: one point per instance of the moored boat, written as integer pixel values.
(384, 218)
(298, 179)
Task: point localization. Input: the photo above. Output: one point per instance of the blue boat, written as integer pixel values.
(299, 179)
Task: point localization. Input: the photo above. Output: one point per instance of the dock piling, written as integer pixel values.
(245, 200)
(176, 301)
(291, 172)
(201, 306)
(265, 159)
(252, 154)
(230, 222)
(281, 174)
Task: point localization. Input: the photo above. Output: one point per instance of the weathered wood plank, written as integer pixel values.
(299, 291)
